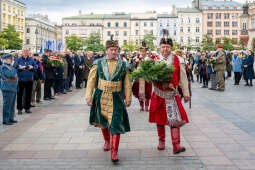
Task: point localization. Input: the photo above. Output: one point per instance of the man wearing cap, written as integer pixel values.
(36, 93)
(141, 88)
(166, 99)
(9, 86)
(111, 79)
(219, 67)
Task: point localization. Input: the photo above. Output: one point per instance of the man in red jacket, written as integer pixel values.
(142, 89)
(166, 102)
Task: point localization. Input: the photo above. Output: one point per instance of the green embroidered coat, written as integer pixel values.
(108, 106)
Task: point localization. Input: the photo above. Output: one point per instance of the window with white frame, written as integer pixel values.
(244, 26)
(197, 29)
(226, 32)
(197, 39)
(234, 24)
(253, 22)
(234, 32)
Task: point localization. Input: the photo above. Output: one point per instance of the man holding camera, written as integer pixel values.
(25, 66)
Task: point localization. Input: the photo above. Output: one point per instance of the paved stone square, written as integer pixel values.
(57, 135)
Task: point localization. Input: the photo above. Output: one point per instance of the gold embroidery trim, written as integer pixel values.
(108, 87)
(141, 89)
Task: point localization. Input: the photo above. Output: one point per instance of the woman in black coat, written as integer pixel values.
(248, 70)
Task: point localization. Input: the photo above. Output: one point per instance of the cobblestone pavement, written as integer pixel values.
(220, 136)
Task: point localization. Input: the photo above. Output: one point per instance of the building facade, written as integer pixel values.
(118, 25)
(250, 19)
(40, 33)
(142, 24)
(167, 22)
(221, 18)
(244, 25)
(124, 27)
(189, 27)
(13, 13)
(82, 26)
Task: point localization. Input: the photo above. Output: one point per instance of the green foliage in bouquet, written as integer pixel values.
(210, 62)
(57, 61)
(154, 71)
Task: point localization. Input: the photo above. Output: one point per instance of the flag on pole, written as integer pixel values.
(41, 49)
(60, 46)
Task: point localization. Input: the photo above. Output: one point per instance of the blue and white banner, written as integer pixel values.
(60, 44)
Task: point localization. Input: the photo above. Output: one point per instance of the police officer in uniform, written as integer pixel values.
(9, 85)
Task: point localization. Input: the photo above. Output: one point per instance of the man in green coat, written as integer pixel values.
(219, 67)
(111, 80)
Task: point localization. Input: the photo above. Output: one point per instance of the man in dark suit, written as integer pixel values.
(79, 66)
(70, 69)
(49, 75)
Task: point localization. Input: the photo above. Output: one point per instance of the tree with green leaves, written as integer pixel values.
(175, 46)
(3, 43)
(74, 43)
(227, 43)
(94, 42)
(241, 43)
(207, 43)
(9, 38)
(130, 47)
(149, 40)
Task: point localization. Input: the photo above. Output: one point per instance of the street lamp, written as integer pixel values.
(36, 33)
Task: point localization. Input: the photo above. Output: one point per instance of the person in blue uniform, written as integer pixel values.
(9, 86)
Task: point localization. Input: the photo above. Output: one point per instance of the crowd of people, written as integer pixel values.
(23, 74)
(109, 88)
(33, 70)
(209, 66)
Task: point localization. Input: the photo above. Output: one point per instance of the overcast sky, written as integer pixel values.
(56, 9)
